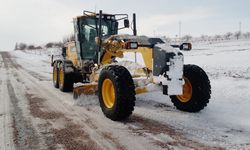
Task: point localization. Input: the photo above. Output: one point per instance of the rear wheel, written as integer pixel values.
(196, 90)
(55, 76)
(116, 92)
(65, 80)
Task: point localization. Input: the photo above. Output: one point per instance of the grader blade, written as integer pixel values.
(87, 88)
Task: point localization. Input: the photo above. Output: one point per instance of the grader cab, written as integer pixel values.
(94, 64)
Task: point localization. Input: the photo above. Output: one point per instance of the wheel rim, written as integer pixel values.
(61, 77)
(108, 93)
(187, 91)
(54, 74)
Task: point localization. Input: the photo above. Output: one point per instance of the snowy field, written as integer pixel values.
(226, 120)
(155, 123)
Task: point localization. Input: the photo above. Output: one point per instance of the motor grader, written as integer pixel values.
(93, 64)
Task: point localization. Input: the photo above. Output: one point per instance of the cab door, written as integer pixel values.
(87, 36)
(72, 54)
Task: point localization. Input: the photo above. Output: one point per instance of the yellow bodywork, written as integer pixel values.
(71, 53)
(61, 77)
(87, 88)
(55, 74)
(115, 49)
(147, 54)
(112, 48)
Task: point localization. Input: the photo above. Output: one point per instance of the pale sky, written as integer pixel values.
(41, 21)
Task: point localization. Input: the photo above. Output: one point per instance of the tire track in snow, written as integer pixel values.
(114, 141)
(109, 143)
(143, 127)
(65, 136)
(162, 135)
(25, 136)
(9, 63)
(71, 136)
(6, 142)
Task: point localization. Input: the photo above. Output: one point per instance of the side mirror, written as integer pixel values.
(186, 46)
(126, 23)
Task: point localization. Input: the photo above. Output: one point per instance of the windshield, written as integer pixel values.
(108, 25)
(88, 33)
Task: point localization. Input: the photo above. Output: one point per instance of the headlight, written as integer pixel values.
(131, 45)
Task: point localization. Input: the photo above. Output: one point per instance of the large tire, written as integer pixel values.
(196, 91)
(55, 76)
(116, 92)
(65, 80)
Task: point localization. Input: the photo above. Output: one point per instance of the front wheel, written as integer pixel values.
(116, 92)
(196, 90)
(65, 80)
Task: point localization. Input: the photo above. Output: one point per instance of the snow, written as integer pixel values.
(224, 122)
(5, 112)
(175, 73)
(133, 57)
(131, 66)
(35, 62)
(86, 100)
(227, 65)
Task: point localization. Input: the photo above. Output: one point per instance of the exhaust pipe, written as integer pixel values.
(134, 24)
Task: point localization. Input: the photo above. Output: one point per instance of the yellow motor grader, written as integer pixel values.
(119, 66)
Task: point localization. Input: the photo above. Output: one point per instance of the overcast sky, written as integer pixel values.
(40, 21)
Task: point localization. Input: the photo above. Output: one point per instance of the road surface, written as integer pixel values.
(35, 115)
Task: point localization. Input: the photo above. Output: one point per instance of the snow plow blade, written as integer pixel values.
(87, 88)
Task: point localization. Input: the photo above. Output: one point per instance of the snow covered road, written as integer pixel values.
(35, 115)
